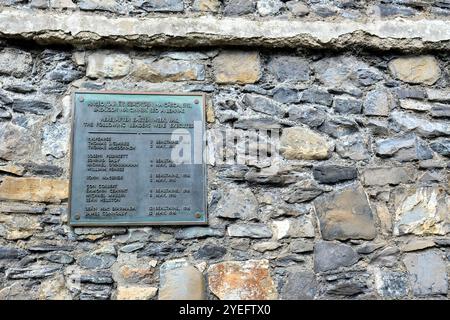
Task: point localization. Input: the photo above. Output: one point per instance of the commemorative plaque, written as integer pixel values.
(137, 159)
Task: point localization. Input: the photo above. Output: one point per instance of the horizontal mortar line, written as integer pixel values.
(82, 29)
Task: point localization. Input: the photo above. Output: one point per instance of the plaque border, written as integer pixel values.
(205, 221)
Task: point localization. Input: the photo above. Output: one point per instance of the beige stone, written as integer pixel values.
(167, 70)
(210, 115)
(15, 227)
(103, 64)
(418, 244)
(420, 69)
(242, 280)
(381, 176)
(385, 218)
(13, 169)
(303, 143)
(237, 67)
(206, 5)
(179, 280)
(54, 289)
(34, 189)
(135, 292)
(422, 211)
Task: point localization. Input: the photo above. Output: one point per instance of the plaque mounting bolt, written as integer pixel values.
(198, 215)
(77, 216)
(196, 101)
(81, 99)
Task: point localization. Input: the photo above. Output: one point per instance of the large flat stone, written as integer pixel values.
(242, 280)
(416, 69)
(34, 189)
(330, 256)
(345, 214)
(303, 143)
(237, 67)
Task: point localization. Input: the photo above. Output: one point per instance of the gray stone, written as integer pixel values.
(329, 256)
(378, 127)
(249, 230)
(411, 93)
(300, 246)
(162, 5)
(55, 140)
(345, 214)
(92, 261)
(43, 169)
(381, 176)
(287, 68)
(352, 147)
(16, 141)
(257, 123)
(378, 102)
(441, 146)
(263, 105)
(238, 204)
(369, 76)
(239, 7)
(99, 5)
(59, 257)
(286, 95)
(15, 62)
(299, 285)
(210, 252)
(427, 272)
(338, 127)
(198, 232)
(269, 176)
(323, 11)
(297, 8)
(31, 106)
(179, 280)
(302, 191)
(162, 250)
(317, 95)
(268, 7)
(11, 253)
(132, 247)
(440, 110)
(404, 148)
(392, 284)
(442, 95)
(387, 10)
(35, 272)
(347, 105)
(65, 73)
(408, 122)
(331, 174)
(19, 88)
(306, 114)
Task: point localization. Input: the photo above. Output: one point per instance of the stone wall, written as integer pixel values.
(353, 205)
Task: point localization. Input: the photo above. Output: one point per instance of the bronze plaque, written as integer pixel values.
(137, 159)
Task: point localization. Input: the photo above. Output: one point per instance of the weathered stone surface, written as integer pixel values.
(300, 285)
(378, 103)
(237, 67)
(34, 189)
(442, 95)
(34, 272)
(86, 29)
(136, 292)
(54, 289)
(303, 191)
(162, 5)
(238, 204)
(417, 244)
(427, 272)
(439, 110)
(167, 70)
(108, 65)
(312, 116)
(242, 280)
(331, 174)
(391, 284)
(420, 69)
(55, 140)
(31, 106)
(15, 62)
(206, 5)
(131, 270)
(19, 207)
(15, 227)
(210, 252)
(267, 246)
(330, 256)
(345, 214)
(385, 218)
(249, 230)
(11, 253)
(301, 246)
(288, 68)
(353, 147)
(441, 146)
(426, 128)
(263, 105)
(316, 95)
(303, 143)
(297, 8)
(293, 228)
(239, 7)
(268, 7)
(179, 280)
(422, 211)
(381, 176)
(94, 5)
(339, 126)
(404, 148)
(198, 232)
(12, 169)
(347, 105)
